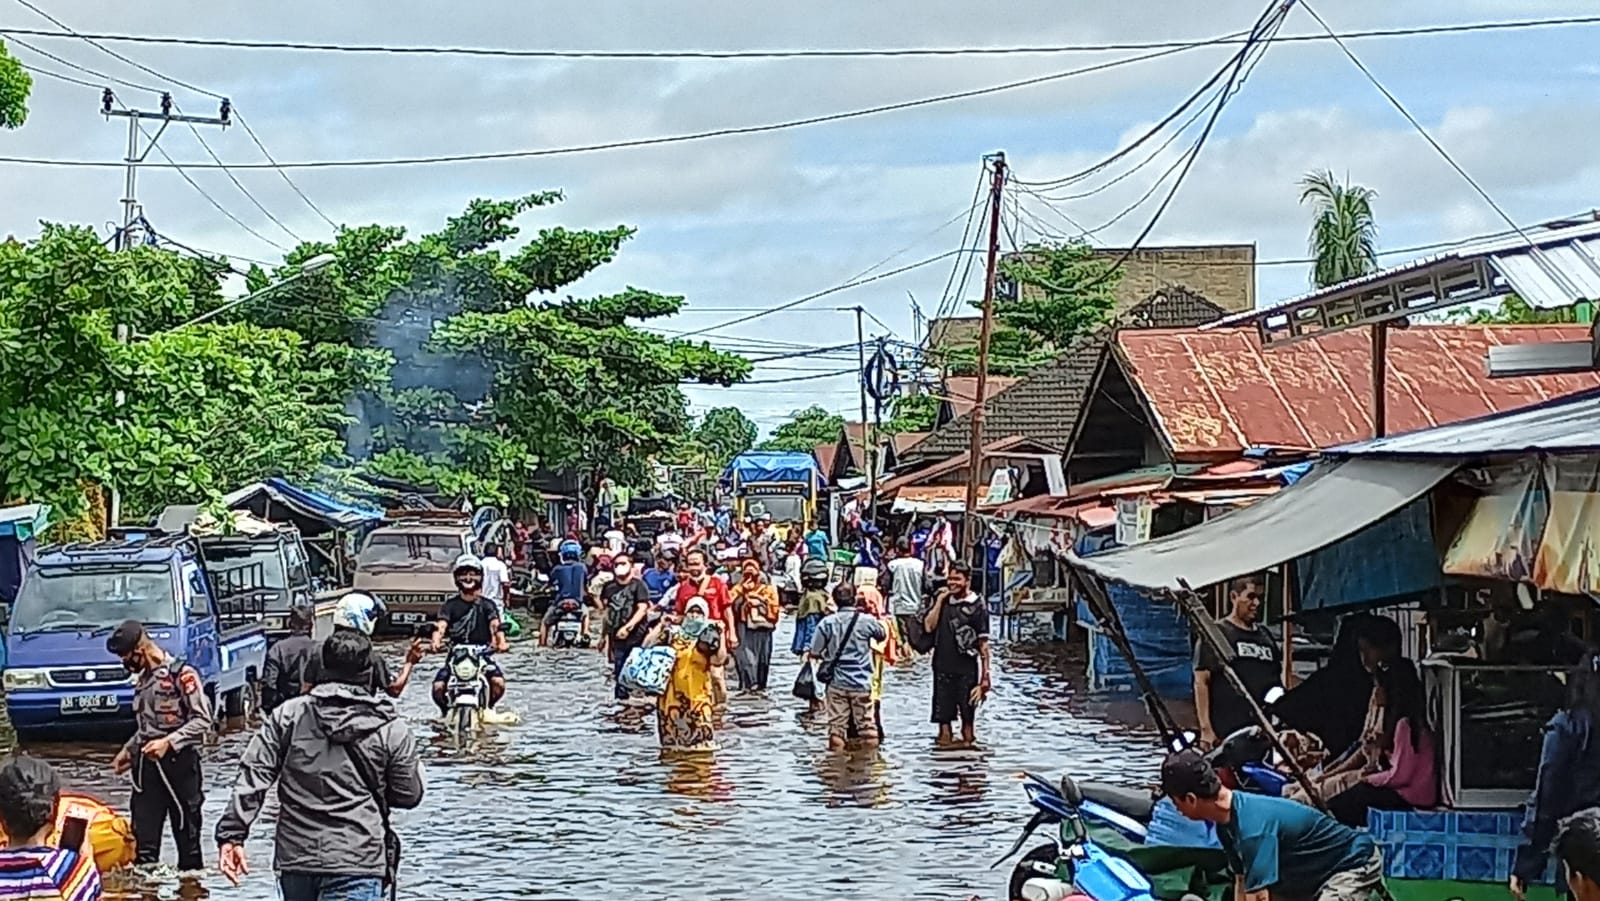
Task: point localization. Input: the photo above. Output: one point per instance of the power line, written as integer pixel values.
(662, 139)
(238, 184)
(978, 199)
(800, 378)
(1439, 148)
(67, 30)
(846, 53)
(824, 293)
(1265, 28)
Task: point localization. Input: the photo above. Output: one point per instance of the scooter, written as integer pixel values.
(1073, 867)
(467, 690)
(567, 632)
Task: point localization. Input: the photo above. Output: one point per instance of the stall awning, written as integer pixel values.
(302, 502)
(1334, 501)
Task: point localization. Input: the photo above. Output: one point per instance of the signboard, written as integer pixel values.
(1001, 487)
(772, 490)
(882, 376)
(1133, 520)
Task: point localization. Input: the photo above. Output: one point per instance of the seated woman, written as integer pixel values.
(1377, 645)
(1331, 703)
(1411, 779)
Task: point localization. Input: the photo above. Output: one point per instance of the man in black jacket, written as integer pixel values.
(284, 675)
(341, 759)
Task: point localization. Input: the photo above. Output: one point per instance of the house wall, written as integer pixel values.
(1114, 434)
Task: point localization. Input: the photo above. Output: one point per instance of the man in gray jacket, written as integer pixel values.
(342, 759)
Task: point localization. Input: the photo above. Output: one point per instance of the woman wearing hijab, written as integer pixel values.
(885, 652)
(686, 711)
(756, 611)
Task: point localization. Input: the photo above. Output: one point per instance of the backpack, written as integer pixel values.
(814, 573)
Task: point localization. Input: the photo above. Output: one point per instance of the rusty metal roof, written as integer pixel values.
(1219, 392)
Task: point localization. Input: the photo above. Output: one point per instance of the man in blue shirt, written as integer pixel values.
(571, 580)
(1280, 850)
(841, 650)
(660, 578)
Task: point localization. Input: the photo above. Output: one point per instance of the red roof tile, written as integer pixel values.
(1219, 391)
(824, 454)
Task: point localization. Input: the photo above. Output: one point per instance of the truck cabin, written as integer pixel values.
(61, 594)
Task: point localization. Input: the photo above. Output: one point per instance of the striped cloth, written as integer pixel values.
(47, 874)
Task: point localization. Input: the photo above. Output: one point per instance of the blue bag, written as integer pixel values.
(648, 669)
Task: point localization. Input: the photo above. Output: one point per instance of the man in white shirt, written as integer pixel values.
(616, 540)
(496, 578)
(906, 584)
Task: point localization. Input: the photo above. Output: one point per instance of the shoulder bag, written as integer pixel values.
(825, 672)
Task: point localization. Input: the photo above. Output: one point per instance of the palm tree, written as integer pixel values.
(1343, 235)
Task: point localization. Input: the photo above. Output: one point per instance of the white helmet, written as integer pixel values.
(467, 561)
(358, 611)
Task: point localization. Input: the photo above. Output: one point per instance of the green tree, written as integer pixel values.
(208, 407)
(15, 85)
(492, 382)
(1513, 310)
(912, 413)
(1344, 234)
(1063, 291)
(725, 432)
(805, 430)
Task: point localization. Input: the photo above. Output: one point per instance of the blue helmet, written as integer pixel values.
(571, 550)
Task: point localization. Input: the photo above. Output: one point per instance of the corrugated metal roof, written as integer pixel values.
(1565, 424)
(1564, 270)
(1219, 392)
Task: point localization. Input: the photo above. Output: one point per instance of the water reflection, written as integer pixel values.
(578, 801)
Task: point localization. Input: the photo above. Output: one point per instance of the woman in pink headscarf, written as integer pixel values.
(870, 600)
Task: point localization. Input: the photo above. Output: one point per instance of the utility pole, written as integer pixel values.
(130, 208)
(866, 426)
(975, 454)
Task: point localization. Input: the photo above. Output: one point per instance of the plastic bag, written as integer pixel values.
(805, 684)
(648, 669)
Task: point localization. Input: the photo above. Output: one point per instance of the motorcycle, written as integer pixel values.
(567, 632)
(467, 689)
(1073, 867)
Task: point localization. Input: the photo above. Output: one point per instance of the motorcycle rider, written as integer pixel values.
(469, 618)
(358, 612)
(570, 578)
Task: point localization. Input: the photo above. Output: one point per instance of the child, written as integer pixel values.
(883, 652)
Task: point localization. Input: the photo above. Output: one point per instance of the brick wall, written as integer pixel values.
(1224, 274)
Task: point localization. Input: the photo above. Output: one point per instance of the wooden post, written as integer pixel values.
(980, 394)
(1289, 575)
(1380, 379)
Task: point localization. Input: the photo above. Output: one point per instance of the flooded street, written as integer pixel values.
(578, 802)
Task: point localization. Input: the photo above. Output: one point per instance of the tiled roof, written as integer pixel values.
(824, 454)
(1218, 391)
(1046, 404)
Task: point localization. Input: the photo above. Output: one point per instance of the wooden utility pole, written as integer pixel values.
(975, 454)
(1380, 379)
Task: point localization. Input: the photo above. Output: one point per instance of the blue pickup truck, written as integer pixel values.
(59, 675)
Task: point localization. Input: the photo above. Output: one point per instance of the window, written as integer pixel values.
(197, 598)
(299, 567)
(411, 550)
(59, 599)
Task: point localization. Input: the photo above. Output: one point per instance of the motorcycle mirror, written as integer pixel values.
(1275, 694)
(1070, 791)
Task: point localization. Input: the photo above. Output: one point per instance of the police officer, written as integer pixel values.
(171, 719)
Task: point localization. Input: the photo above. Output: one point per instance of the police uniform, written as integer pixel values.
(169, 702)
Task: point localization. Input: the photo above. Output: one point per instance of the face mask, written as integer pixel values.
(132, 664)
(624, 570)
(468, 583)
(694, 623)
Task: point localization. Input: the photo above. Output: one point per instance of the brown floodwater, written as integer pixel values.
(578, 802)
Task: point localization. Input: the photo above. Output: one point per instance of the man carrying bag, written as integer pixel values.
(844, 642)
(341, 759)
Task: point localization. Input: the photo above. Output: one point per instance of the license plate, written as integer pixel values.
(408, 619)
(567, 628)
(88, 703)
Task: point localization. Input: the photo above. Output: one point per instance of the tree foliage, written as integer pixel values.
(493, 382)
(1344, 234)
(1513, 310)
(912, 413)
(1063, 291)
(207, 407)
(432, 360)
(805, 430)
(15, 85)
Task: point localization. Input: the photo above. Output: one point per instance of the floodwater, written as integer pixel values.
(578, 802)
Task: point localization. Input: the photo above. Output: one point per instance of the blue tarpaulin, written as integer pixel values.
(1157, 633)
(772, 466)
(23, 521)
(1394, 557)
(303, 502)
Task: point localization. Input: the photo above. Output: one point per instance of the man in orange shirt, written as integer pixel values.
(755, 610)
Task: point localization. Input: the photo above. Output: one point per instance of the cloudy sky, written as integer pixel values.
(748, 222)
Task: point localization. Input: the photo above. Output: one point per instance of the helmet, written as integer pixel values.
(467, 561)
(571, 550)
(358, 611)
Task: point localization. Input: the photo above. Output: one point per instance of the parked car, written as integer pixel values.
(408, 563)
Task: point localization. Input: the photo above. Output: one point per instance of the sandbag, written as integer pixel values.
(110, 833)
(648, 669)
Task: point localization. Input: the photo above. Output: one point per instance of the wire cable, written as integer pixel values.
(236, 183)
(1551, 270)
(70, 31)
(978, 203)
(659, 140)
(844, 53)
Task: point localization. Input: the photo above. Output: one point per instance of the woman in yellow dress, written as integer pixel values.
(686, 711)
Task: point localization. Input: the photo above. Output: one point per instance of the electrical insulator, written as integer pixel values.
(227, 110)
(166, 104)
(106, 99)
